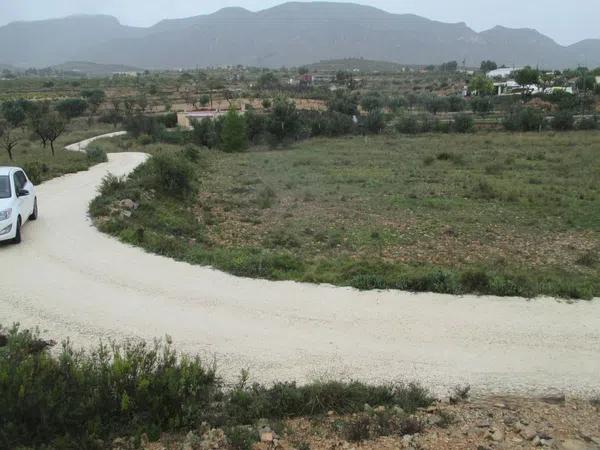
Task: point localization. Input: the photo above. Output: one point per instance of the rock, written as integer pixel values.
(367, 407)
(191, 441)
(547, 442)
(528, 433)
(379, 409)
(330, 413)
(483, 424)
(128, 204)
(536, 442)
(595, 440)
(399, 411)
(213, 439)
(555, 399)
(498, 436)
(126, 214)
(407, 440)
(119, 444)
(500, 405)
(267, 436)
(144, 441)
(431, 409)
(434, 420)
(576, 444)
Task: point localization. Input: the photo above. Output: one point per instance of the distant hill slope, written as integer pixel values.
(291, 34)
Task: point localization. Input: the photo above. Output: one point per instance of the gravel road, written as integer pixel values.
(72, 281)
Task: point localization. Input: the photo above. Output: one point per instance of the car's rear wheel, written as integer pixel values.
(17, 238)
(34, 214)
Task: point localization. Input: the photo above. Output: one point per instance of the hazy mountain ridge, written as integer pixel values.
(290, 34)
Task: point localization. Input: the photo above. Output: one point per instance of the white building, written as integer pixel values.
(504, 72)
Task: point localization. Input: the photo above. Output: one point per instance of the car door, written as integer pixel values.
(28, 186)
(22, 201)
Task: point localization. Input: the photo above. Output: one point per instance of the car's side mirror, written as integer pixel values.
(22, 193)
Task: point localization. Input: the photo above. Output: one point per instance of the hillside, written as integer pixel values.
(291, 34)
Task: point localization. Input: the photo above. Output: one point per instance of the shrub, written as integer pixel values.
(170, 174)
(374, 122)
(456, 103)
(169, 120)
(95, 154)
(482, 105)
(191, 153)
(407, 124)
(524, 119)
(233, 133)
(205, 133)
(35, 170)
(111, 184)
(78, 397)
(139, 125)
(284, 121)
(563, 121)
(462, 123)
(266, 197)
(588, 123)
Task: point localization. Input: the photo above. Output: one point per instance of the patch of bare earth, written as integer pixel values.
(490, 423)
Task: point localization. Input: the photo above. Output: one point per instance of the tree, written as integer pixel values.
(481, 85)
(51, 126)
(14, 112)
(204, 133)
(488, 66)
(435, 104)
(344, 103)
(371, 102)
(268, 80)
(450, 66)
(94, 98)
(456, 103)
(204, 99)
(482, 105)
(234, 137)
(71, 107)
(8, 139)
(527, 76)
(284, 121)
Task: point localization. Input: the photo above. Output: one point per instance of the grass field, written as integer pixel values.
(30, 154)
(506, 214)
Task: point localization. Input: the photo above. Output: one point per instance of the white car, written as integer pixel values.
(18, 203)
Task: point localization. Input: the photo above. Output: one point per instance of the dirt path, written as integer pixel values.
(75, 282)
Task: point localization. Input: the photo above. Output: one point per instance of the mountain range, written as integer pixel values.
(291, 34)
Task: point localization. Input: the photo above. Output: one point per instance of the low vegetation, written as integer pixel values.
(41, 165)
(83, 399)
(490, 213)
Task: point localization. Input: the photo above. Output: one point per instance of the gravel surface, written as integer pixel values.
(73, 281)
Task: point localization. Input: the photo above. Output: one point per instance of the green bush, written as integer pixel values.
(524, 119)
(95, 154)
(35, 170)
(588, 123)
(192, 153)
(77, 396)
(69, 399)
(462, 123)
(234, 136)
(169, 174)
(563, 121)
(374, 121)
(408, 124)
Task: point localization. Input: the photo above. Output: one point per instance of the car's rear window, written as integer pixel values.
(4, 186)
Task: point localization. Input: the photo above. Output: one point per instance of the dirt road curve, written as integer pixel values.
(75, 282)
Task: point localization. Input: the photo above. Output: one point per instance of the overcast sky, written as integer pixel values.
(566, 22)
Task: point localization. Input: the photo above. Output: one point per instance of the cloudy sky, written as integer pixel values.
(566, 22)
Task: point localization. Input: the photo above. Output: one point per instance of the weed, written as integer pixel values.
(266, 197)
(460, 394)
